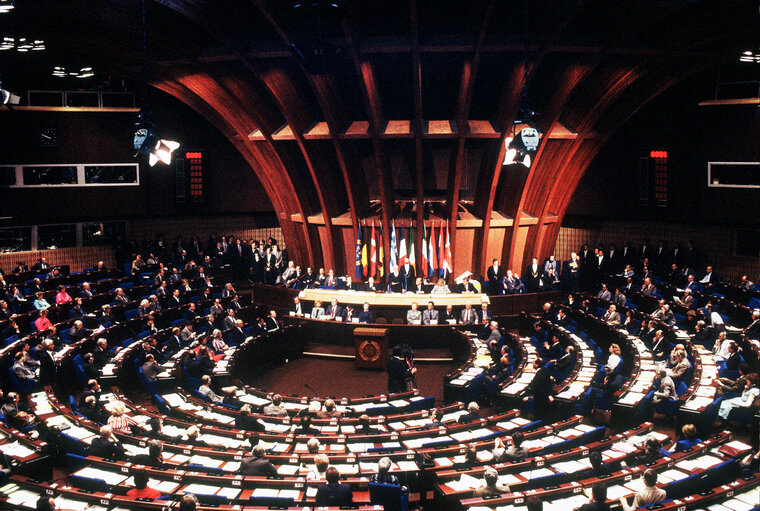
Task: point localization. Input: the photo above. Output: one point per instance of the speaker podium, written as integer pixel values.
(371, 348)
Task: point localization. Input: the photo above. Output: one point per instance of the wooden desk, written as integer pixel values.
(405, 299)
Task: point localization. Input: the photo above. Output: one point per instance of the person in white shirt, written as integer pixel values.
(614, 359)
(720, 349)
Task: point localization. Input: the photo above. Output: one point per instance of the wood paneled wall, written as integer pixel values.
(242, 226)
(77, 258)
(714, 243)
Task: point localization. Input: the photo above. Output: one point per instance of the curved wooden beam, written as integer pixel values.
(467, 84)
(371, 96)
(287, 96)
(329, 100)
(264, 165)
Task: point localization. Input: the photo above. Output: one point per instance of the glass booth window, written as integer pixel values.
(15, 239)
(110, 174)
(56, 236)
(41, 175)
(101, 233)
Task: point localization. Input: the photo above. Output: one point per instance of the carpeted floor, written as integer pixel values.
(339, 378)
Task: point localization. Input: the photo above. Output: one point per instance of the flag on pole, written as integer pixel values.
(441, 252)
(380, 260)
(401, 246)
(358, 255)
(424, 251)
(432, 256)
(372, 253)
(412, 258)
(365, 260)
(447, 261)
(394, 252)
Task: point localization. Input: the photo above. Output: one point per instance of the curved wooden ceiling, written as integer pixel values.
(414, 105)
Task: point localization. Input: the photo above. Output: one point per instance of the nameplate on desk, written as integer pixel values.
(451, 321)
(354, 320)
(433, 321)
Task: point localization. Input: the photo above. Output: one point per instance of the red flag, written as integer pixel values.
(373, 253)
(441, 252)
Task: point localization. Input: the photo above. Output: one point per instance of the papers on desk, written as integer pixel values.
(697, 403)
(701, 462)
(111, 478)
(230, 493)
(16, 450)
(573, 502)
(407, 466)
(631, 398)
(165, 487)
(569, 467)
(243, 397)
(178, 458)
(23, 498)
(465, 436)
(202, 489)
(509, 479)
(671, 475)
(615, 492)
(464, 483)
(287, 470)
(635, 485)
(416, 443)
(71, 505)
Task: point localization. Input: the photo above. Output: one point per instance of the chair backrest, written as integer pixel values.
(272, 502)
(387, 495)
(681, 388)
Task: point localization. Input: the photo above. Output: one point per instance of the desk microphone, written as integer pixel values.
(311, 389)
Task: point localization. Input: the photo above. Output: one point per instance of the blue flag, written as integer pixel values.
(358, 255)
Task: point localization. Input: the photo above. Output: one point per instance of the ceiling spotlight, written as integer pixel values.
(6, 6)
(147, 142)
(522, 147)
(8, 98)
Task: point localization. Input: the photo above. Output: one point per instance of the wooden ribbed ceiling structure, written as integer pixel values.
(412, 101)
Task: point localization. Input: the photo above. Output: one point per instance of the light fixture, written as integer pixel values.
(147, 142)
(6, 6)
(522, 146)
(7, 97)
(750, 56)
(145, 139)
(83, 72)
(22, 44)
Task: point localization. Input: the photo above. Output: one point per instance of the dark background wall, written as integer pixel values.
(692, 136)
(230, 185)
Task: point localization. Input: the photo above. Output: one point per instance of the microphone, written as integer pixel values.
(311, 389)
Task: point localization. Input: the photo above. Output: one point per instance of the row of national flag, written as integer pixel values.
(435, 252)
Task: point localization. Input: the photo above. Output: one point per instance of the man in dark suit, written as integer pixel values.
(334, 493)
(308, 279)
(371, 285)
(270, 267)
(257, 464)
(534, 275)
(398, 371)
(175, 300)
(395, 281)
(334, 311)
(448, 315)
(237, 335)
(466, 286)
(106, 445)
(349, 285)
(47, 364)
(272, 323)
(408, 273)
(494, 276)
(540, 388)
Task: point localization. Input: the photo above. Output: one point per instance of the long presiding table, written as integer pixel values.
(405, 299)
